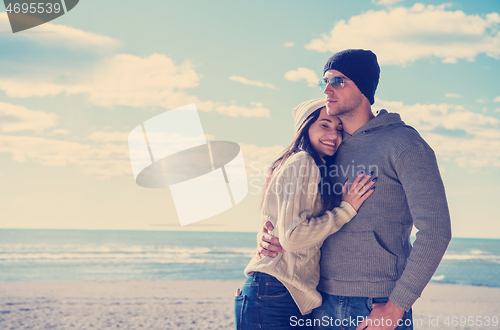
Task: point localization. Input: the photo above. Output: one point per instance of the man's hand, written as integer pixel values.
(384, 315)
(267, 244)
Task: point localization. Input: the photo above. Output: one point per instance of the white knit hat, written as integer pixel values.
(304, 110)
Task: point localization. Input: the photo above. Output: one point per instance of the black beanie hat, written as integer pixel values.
(360, 66)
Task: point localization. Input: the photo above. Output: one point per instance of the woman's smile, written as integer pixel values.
(326, 134)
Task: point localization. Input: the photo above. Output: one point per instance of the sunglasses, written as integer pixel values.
(336, 82)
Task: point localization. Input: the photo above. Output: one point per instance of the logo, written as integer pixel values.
(205, 178)
(25, 14)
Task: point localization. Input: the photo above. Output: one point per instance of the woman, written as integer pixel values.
(299, 202)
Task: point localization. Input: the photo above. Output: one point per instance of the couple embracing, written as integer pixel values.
(335, 250)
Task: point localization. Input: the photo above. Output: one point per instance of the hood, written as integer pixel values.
(383, 120)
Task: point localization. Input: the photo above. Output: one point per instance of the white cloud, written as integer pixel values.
(233, 110)
(252, 82)
(108, 155)
(60, 131)
(289, 44)
(428, 117)
(258, 158)
(402, 35)
(497, 110)
(451, 95)
(482, 100)
(106, 78)
(105, 160)
(16, 118)
(127, 80)
(497, 99)
(303, 74)
(386, 2)
(123, 137)
(115, 136)
(470, 139)
(121, 80)
(264, 155)
(49, 34)
(467, 153)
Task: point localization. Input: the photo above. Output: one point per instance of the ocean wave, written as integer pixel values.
(120, 253)
(438, 278)
(485, 257)
(23, 248)
(108, 259)
(16, 248)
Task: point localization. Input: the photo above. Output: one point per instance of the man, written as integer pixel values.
(370, 273)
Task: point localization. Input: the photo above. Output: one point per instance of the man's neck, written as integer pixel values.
(352, 122)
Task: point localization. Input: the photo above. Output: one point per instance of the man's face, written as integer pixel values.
(342, 101)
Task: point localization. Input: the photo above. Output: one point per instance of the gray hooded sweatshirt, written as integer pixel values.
(372, 255)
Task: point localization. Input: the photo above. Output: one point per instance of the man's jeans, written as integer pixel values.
(265, 303)
(345, 313)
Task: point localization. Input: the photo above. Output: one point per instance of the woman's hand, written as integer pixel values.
(360, 190)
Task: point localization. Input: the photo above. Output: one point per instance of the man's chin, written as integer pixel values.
(331, 111)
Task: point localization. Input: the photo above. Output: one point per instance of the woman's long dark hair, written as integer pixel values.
(301, 142)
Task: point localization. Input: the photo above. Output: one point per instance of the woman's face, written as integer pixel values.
(325, 134)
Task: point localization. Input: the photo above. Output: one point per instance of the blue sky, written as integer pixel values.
(71, 90)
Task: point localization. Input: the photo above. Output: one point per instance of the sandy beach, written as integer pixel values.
(194, 305)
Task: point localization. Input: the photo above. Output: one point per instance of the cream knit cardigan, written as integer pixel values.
(292, 203)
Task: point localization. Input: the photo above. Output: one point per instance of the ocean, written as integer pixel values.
(107, 255)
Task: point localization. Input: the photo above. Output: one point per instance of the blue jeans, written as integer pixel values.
(265, 303)
(344, 313)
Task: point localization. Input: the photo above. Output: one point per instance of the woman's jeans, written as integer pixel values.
(265, 303)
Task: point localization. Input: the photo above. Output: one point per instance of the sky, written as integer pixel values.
(72, 90)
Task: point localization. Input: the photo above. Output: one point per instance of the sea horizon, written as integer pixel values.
(114, 255)
(188, 231)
